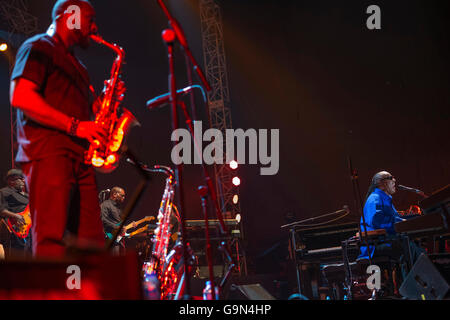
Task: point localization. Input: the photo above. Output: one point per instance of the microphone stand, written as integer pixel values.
(203, 192)
(182, 39)
(190, 60)
(190, 83)
(357, 197)
(169, 38)
(175, 27)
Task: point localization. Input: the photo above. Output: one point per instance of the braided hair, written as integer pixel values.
(376, 179)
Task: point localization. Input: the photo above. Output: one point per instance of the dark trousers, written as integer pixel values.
(64, 205)
(15, 246)
(396, 252)
(19, 246)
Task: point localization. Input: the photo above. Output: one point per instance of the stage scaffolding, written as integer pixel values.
(20, 24)
(220, 114)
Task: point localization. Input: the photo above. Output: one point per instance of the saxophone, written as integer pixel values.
(165, 264)
(105, 158)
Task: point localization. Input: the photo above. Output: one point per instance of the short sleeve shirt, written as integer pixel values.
(111, 215)
(64, 83)
(12, 200)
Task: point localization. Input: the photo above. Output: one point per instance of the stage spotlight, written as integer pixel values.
(233, 164)
(3, 46)
(236, 181)
(235, 199)
(238, 218)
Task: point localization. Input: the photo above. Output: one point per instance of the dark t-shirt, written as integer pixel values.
(12, 200)
(64, 83)
(111, 215)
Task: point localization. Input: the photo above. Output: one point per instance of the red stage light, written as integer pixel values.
(168, 35)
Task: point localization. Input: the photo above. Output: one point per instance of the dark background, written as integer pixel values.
(309, 68)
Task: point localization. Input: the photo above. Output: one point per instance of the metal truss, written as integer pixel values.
(19, 23)
(219, 108)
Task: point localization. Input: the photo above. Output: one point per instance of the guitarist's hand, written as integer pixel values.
(20, 220)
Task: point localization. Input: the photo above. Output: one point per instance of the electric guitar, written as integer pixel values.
(21, 230)
(129, 226)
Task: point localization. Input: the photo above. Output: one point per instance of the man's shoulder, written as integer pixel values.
(374, 197)
(6, 191)
(106, 204)
(41, 42)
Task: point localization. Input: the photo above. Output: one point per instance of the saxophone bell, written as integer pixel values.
(111, 161)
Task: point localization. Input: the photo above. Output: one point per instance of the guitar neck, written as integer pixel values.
(130, 225)
(140, 230)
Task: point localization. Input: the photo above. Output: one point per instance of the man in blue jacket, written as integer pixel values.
(380, 213)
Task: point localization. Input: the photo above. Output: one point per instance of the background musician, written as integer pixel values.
(111, 214)
(50, 88)
(14, 199)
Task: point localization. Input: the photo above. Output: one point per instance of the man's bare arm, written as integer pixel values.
(8, 214)
(24, 95)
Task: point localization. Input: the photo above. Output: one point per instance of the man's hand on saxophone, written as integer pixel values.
(89, 130)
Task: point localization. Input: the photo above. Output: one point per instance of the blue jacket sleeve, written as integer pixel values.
(379, 216)
(370, 210)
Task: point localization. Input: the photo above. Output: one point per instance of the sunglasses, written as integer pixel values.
(17, 178)
(388, 178)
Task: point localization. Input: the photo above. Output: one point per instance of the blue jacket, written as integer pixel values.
(379, 213)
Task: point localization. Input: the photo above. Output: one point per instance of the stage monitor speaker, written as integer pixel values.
(249, 292)
(427, 278)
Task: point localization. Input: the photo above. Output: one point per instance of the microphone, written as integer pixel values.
(163, 99)
(411, 190)
(130, 161)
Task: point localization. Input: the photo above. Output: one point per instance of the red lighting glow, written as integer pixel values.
(168, 35)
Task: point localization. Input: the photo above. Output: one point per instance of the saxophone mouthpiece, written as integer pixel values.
(96, 37)
(117, 49)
